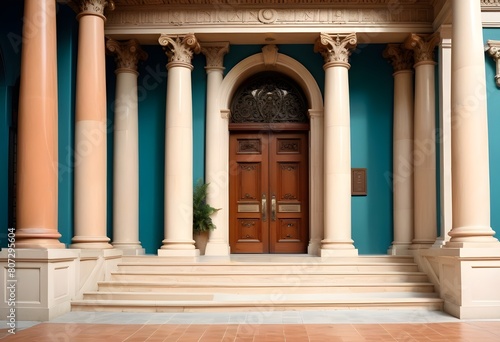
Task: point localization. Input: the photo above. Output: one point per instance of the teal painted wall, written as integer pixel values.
(371, 99)
(152, 85)
(67, 43)
(11, 12)
(493, 98)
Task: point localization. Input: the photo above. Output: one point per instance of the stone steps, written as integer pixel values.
(249, 283)
(252, 287)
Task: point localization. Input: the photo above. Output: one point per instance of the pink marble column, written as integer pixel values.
(90, 129)
(402, 61)
(469, 131)
(179, 147)
(336, 49)
(424, 145)
(37, 130)
(126, 147)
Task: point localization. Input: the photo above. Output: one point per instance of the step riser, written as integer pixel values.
(254, 269)
(271, 259)
(261, 290)
(252, 307)
(273, 279)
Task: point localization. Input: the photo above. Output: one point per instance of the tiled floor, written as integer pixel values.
(338, 325)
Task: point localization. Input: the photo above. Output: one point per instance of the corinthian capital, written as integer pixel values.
(95, 7)
(493, 49)
(401, 58)
(422, 46)
(214, 52)
(336, 48)
(127, 54)
(179, 49)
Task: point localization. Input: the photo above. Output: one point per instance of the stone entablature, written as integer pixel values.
(228, 15)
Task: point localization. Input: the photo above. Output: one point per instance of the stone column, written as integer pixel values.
(37, 130)
(337, 146)
(179, 147)
(402, 61)
(316, 170)
(215, 171)
(126, 147)
(469, 135)
(445, 135)
(90, 129)
(424, 147)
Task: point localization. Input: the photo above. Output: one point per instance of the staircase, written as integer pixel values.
(257, 282)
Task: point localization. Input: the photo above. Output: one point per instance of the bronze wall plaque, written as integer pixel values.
(358, 182)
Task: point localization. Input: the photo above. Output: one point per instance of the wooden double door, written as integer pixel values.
(269, 185)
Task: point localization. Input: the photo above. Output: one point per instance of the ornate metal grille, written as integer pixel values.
(269, 97)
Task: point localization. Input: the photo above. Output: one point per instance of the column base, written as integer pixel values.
(399, 249)
(131, 250)
(217, 249)
(439, 243)
(421, 244)
(90, 242)
(39, 298)
(467, 279)
(314, 248)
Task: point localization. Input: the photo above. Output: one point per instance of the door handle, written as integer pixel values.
(273, 208)
(264, 207)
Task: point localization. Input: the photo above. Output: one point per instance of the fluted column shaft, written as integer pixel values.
(126, 147)
(424, 148)
(337, 147)
(37, 130)
(470, 161)
(90, 129)
(215, 170)
(179, 147)
(402, 148)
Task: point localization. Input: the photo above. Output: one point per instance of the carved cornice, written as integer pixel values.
(422, 46)
(93, 7)
(214, 53)
(493, 49)
(490, 4)
(335, 48)
(127, 54)
(179, 49)
(401, 58)
(305, 15)
(267, 2)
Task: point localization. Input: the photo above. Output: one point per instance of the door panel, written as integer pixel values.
(248, 176)
(269, 192)
(289, 184)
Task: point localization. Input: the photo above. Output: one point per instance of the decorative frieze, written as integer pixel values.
(335, 48)
(422, 46)
(493, 48)
(230, 15)
(401, 58)
(179, 49)
(127, 54)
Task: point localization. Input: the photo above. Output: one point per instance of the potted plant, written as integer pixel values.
(202, 212)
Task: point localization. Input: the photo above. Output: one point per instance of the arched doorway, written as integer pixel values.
(269, 164)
